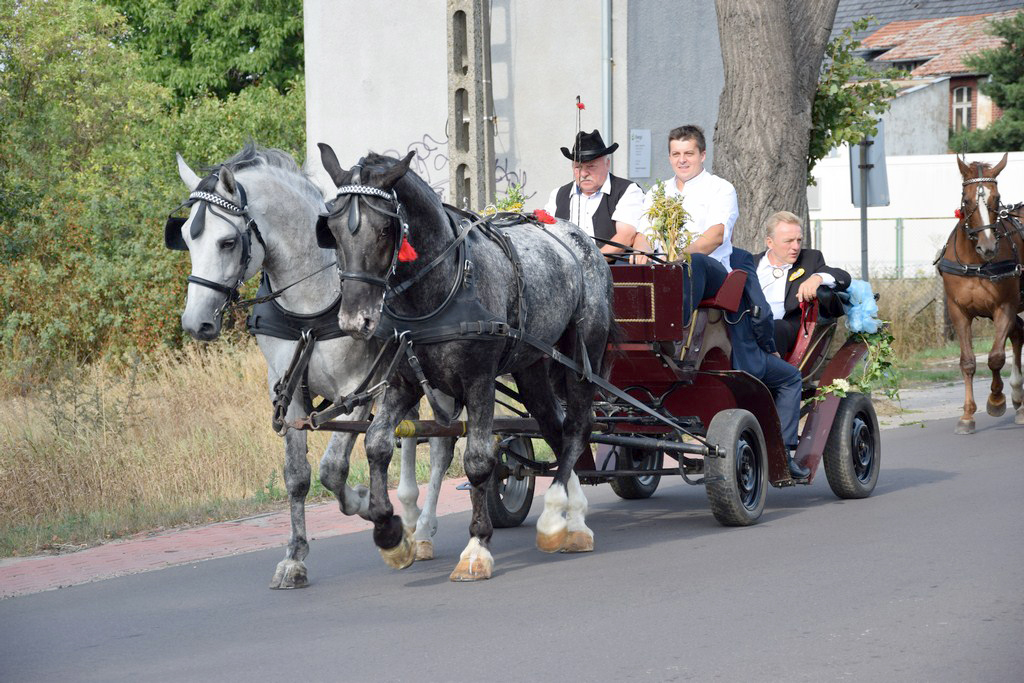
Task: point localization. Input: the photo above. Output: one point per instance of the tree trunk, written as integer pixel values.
(772, 52)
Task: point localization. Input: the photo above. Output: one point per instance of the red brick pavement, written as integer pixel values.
(24, 575)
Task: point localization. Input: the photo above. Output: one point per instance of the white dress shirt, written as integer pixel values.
(582, 207)
(773, 280)
(709, 200)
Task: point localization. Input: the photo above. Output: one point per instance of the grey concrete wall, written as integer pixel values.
(918, 121)
(675, 73)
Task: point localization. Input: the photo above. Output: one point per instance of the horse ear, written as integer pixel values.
(330, 161)
(324, 237)
(965, 170)
(188, 176)
(994, 171)
(397, 171)
(226, 183)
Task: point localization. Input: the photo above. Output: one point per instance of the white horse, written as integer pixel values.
(258, 211)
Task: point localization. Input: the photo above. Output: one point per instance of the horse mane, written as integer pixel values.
(412, 186)
(276, 161)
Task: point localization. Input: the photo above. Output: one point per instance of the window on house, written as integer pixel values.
(962, 109)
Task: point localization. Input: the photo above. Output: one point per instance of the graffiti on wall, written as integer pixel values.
(431, 164)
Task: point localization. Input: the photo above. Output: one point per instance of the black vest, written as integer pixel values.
(604, 226)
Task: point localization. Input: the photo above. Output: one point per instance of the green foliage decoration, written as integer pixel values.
(878, 371)
(667, 217)
(514, 200)
(87, 160)
(1005, 65)
(850, 97)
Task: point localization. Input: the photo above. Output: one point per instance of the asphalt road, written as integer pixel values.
(921, 582)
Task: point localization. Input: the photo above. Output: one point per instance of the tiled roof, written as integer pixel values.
(943, 42)
(888, 11)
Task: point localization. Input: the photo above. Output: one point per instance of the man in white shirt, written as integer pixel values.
(602, 205)
(790, 275)
(709, 201)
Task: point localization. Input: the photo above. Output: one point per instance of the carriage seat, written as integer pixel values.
(729, 295)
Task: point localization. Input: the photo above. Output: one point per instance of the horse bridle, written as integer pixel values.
(211, 201)
(1002, 214)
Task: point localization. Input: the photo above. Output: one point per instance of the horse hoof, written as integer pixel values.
(1018, 419)
(402, 555)
(553, 542)
(579, 542)
(424, 550)
(964, 427)
(996, 409)
(289, 574)
(473, 569)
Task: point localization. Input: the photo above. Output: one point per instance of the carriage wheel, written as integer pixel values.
(854, 449)
(738, 482)
(636, 487)
(509, 499)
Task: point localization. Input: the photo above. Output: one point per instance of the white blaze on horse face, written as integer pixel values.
(983, 213)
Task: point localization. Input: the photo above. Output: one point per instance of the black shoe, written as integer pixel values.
(798, 471)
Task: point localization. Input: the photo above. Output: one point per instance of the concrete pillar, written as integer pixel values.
(470, 115)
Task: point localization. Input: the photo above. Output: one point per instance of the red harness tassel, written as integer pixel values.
(406, 252)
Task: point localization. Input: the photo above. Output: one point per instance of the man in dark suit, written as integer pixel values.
(601, 204)
(754, 352)
(789, 275)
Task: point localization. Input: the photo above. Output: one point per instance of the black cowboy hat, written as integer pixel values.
(588, 146)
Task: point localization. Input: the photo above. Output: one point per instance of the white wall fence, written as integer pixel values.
(903, 237)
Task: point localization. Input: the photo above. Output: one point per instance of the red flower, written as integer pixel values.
(406, 252)
(543, 216)
(958, 213)
(580, 105)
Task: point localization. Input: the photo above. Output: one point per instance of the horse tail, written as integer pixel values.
(613, 347)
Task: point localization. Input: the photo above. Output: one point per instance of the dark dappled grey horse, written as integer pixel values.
(547, 281)
(257, 211)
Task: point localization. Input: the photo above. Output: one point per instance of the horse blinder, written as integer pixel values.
(172, 233)
(324, 236)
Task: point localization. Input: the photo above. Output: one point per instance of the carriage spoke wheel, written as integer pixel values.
(508, 498)
(636, 487)
(853, 452)
(736, 483)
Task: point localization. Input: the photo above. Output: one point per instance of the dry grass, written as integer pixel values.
(181, 439)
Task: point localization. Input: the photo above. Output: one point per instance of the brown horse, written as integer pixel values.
(981, 268)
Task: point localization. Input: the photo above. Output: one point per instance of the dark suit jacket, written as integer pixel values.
(752, 337)
(811, 261)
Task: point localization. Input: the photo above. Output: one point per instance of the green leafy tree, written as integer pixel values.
(1005, 64)
(850, 97)
(87, 176)
(217, 47)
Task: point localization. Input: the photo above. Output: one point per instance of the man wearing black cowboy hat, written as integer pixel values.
(601, 204)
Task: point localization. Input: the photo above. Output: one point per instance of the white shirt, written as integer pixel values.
(709, 200)
(582, 207)
(773, 280)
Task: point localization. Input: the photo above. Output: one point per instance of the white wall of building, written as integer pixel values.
(923, 190)
(376, 78)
